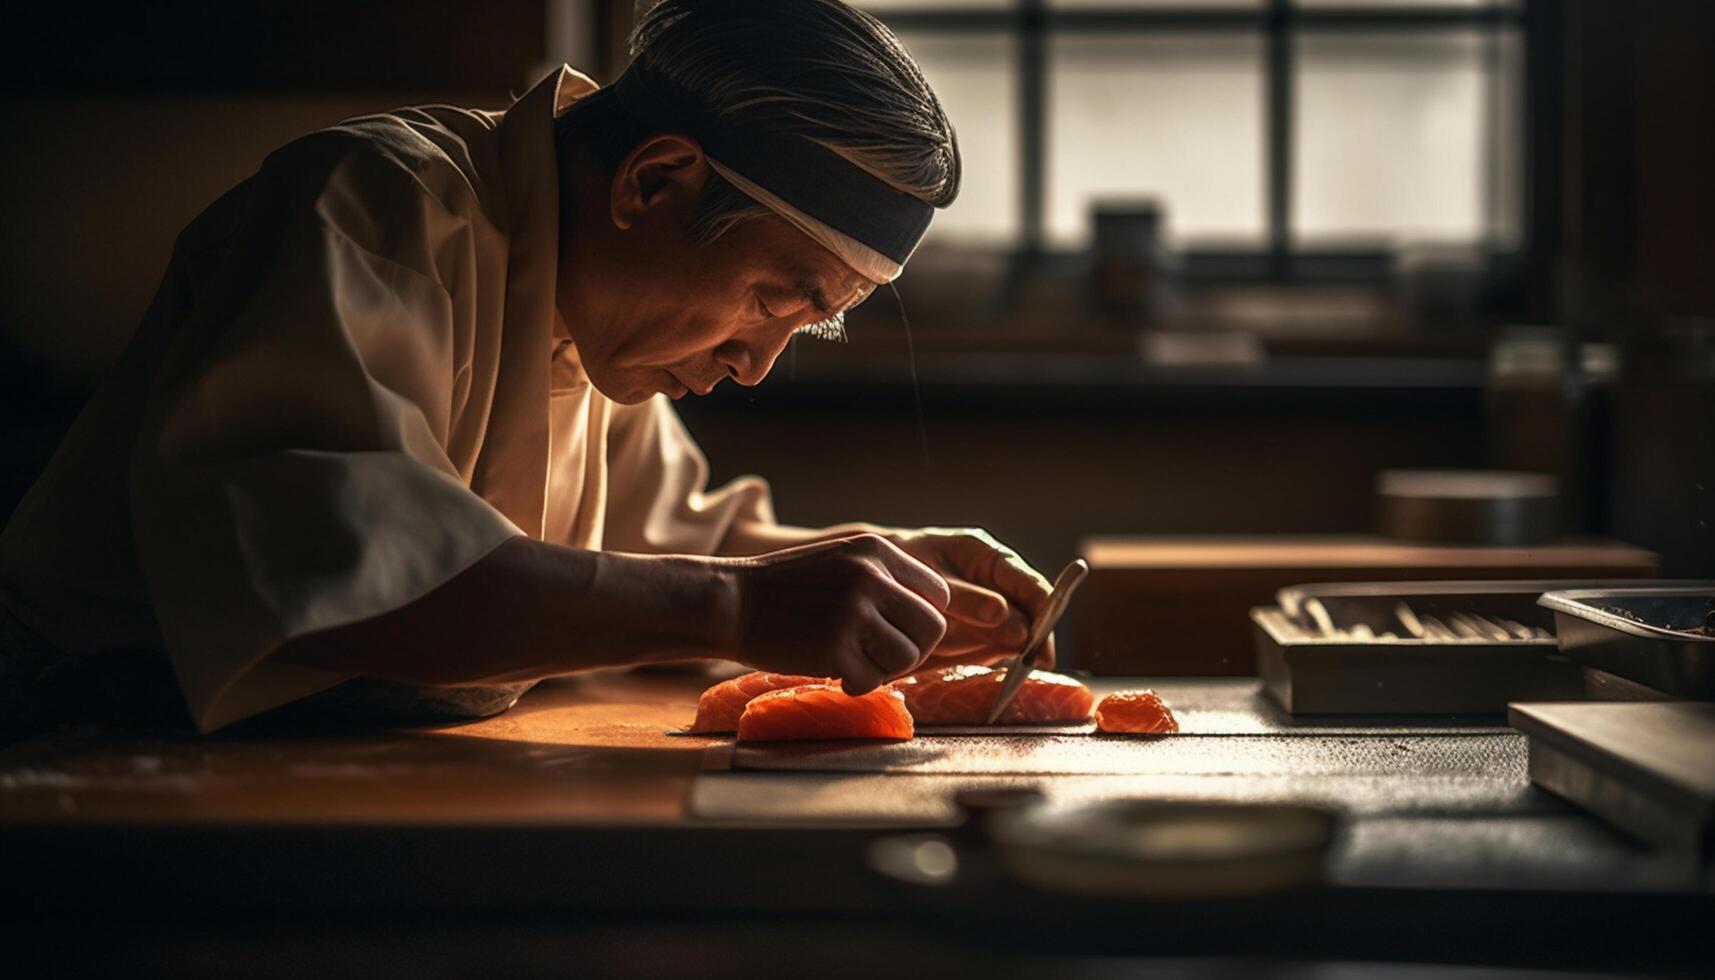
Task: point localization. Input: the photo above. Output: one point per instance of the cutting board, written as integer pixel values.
(891, 799)
(1431, 754)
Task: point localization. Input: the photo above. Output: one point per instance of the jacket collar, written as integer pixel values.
(511, 472)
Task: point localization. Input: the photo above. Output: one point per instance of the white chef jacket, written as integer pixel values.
(352, 385)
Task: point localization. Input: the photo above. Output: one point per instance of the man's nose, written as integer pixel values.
(748, 363)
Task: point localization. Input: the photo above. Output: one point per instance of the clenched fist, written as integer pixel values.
(856, 608)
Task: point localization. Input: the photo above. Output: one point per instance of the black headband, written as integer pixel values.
(810, 177)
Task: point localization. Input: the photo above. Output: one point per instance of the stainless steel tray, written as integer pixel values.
(1653, 636)
(1370, 663)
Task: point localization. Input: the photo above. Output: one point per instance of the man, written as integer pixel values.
(398, 422)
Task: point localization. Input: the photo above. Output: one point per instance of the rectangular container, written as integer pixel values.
(1648, 769)
(1179, 605)
(1646, 635)
(1308, 672)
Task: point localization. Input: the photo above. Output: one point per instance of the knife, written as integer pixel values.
(1018, 669)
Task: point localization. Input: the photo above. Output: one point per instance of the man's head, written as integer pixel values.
(760, 169)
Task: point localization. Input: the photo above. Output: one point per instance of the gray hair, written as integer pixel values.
(813, 68)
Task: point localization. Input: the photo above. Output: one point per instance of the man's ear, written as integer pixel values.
(665, 171)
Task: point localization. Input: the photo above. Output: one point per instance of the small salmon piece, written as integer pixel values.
(964, 694)
(719, 708)
(823, 711)
(1135, 712)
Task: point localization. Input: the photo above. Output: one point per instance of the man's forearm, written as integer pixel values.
(530, 610)
(750, 538)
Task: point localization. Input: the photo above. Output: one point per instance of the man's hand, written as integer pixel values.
(995, 594)
(856, 608)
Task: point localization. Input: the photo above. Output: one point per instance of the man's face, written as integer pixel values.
(700, 313)
(653, 310)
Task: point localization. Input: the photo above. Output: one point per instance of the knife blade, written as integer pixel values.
(1018, 668)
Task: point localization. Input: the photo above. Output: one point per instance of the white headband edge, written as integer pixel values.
(865, 261)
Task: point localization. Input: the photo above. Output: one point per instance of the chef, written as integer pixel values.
(396, 434)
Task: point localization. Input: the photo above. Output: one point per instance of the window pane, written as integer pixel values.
(973, 77)
(1176, 117)
(1393, 137)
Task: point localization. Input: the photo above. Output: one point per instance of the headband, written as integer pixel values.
(870, 225)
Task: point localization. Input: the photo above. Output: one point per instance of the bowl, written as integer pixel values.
(1150, 848)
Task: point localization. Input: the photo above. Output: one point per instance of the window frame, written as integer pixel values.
(1278, 22)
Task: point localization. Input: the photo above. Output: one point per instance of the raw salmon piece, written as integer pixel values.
(819, 711)
(720, 706)
(964, 694)
(1137, 712)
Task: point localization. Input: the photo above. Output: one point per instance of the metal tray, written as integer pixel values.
(1648, 635)
(1309, 671)
(1646, 768)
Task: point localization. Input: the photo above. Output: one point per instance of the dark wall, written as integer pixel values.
(305, 46)
(123, 121)
(1639, 141)
(1044, 466)
(1639, 255)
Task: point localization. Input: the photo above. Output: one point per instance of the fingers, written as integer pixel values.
(879, 654)
(974, 604)
(1000, 568)
(1014, 631)
(909, 572)
(1015, 579)
(969, 644)
(1005, 638)
(858, 674)
(921, 624)
(989, 655)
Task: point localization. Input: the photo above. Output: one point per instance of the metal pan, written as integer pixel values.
(1653, 636)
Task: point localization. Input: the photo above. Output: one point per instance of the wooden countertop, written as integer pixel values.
(588, 749)
(595, 752)
(576, 811)
(1351, 551)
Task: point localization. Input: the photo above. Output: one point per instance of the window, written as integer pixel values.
(1279, 129)
(1171, 116)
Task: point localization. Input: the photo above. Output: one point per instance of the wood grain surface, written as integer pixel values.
(591, 749)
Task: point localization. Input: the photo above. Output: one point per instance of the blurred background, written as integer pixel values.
(1216, 265)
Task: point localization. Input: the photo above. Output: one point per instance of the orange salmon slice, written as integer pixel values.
(719, 708)
(823, 711)
(1135, 712)
(963, 695)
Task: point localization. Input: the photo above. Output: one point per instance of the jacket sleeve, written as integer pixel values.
(290, 475)
(658, 497)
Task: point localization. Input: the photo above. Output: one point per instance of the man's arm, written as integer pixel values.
(858, 609)
(530, 610)
(756, 538)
